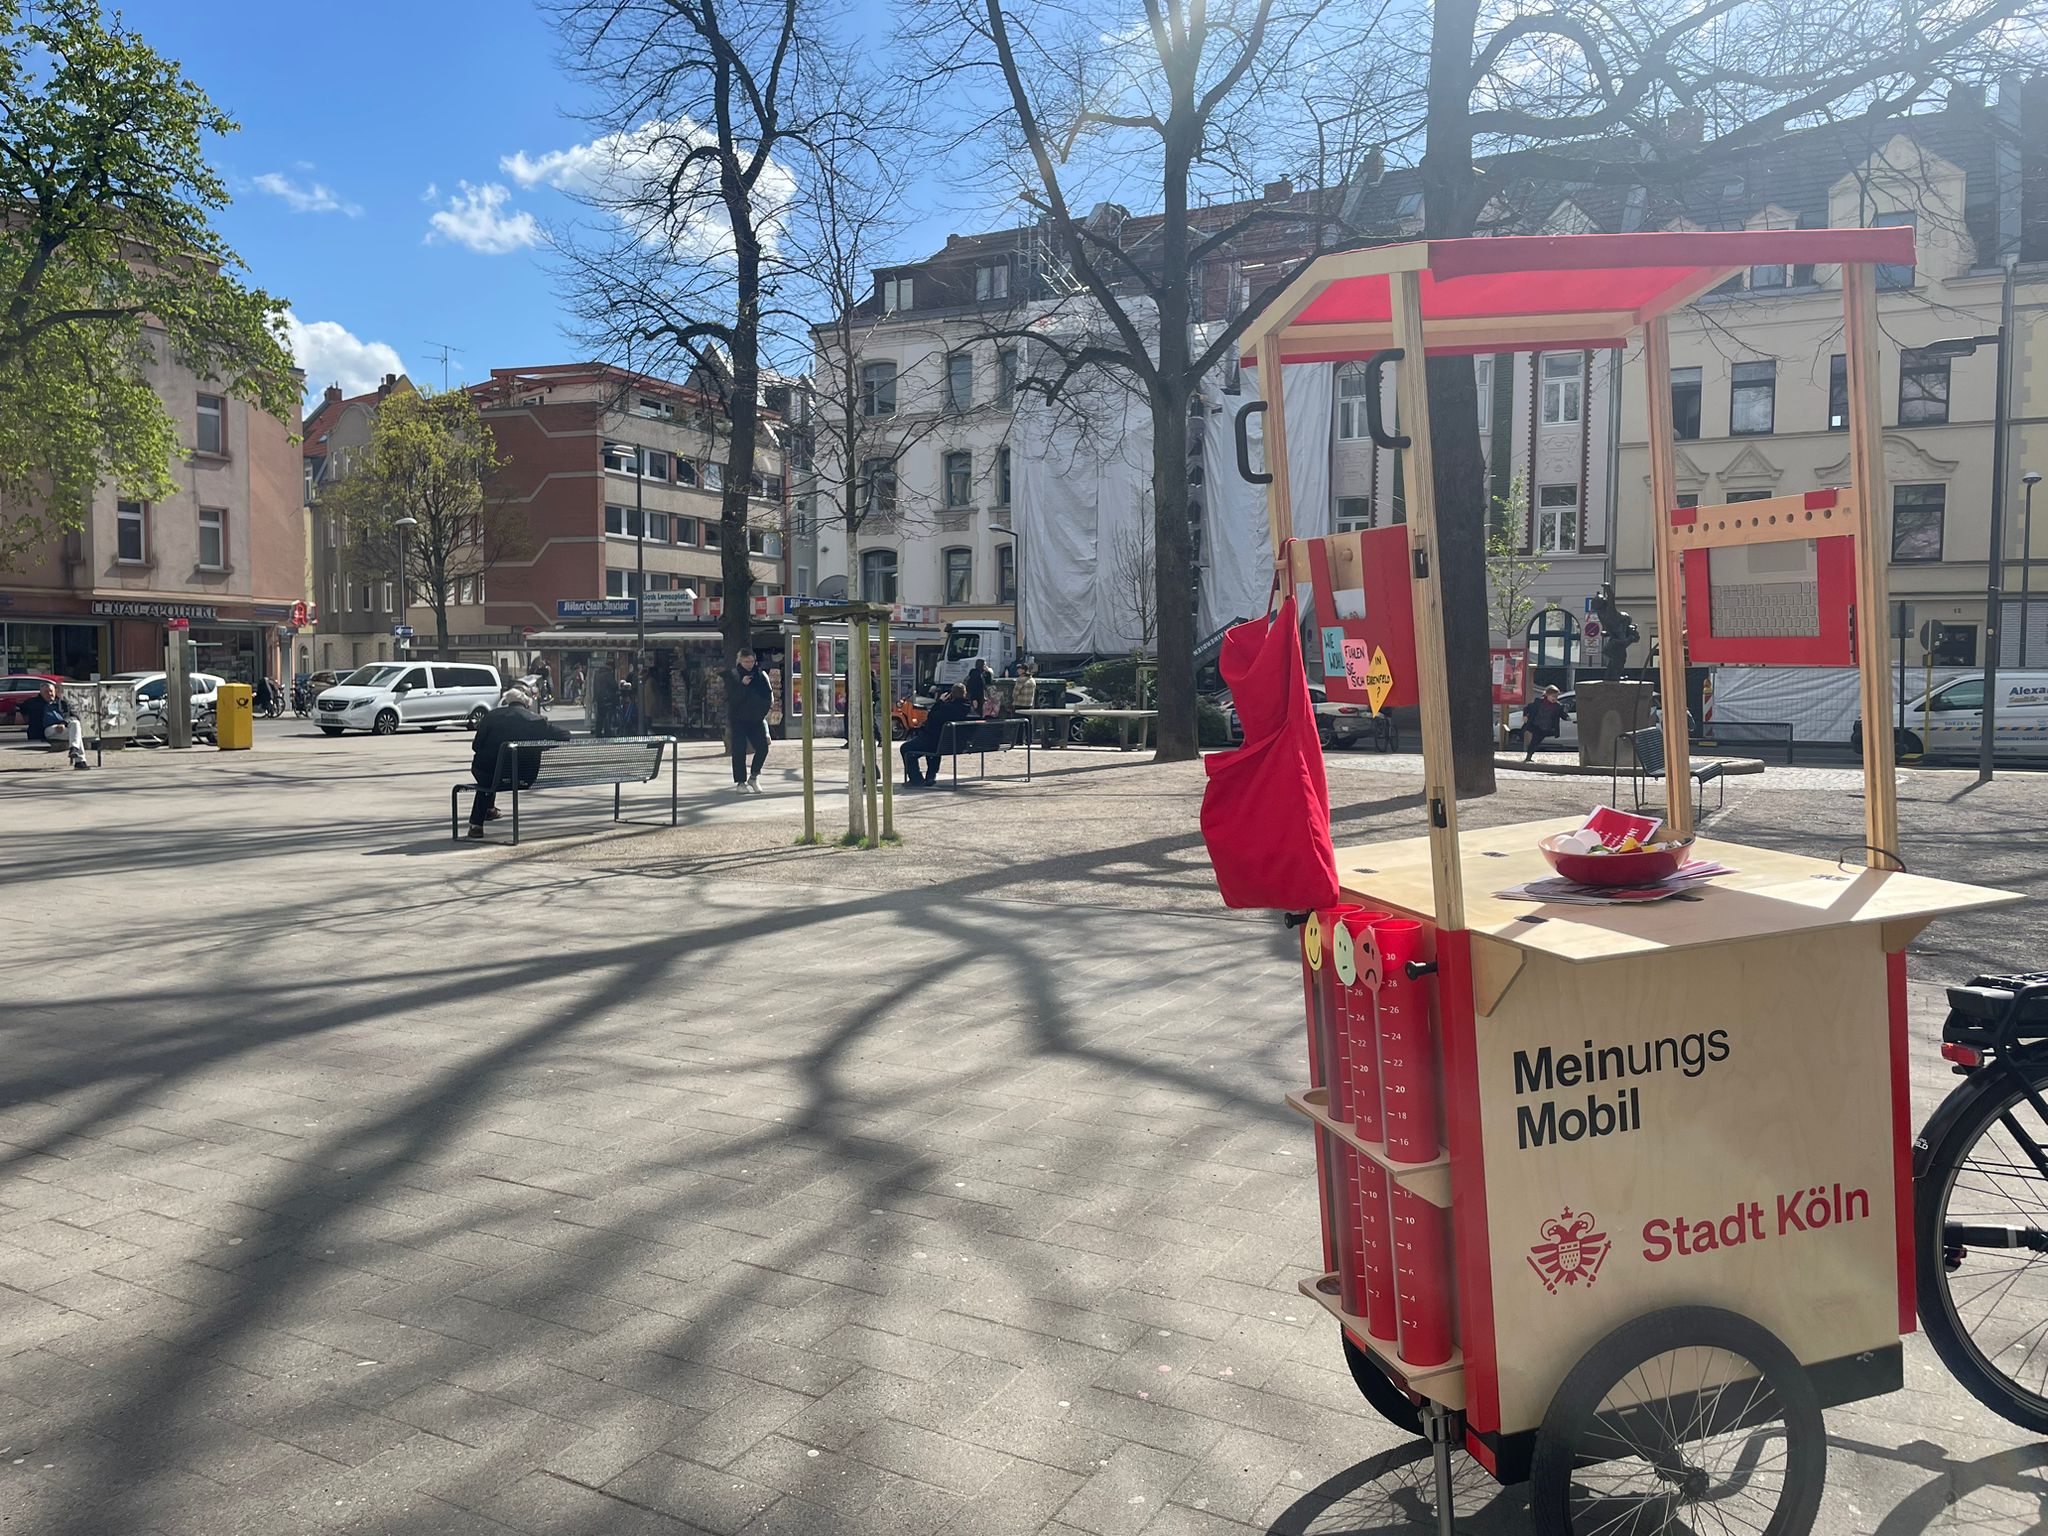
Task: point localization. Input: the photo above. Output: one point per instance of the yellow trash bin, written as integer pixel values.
(234, 712)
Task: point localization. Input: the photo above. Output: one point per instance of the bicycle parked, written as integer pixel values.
(1980, 1186)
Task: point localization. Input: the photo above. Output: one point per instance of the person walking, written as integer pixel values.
(515, 719)
(923, 744)
(604, 700)
(52, 718)
(1024, 692)
(977, 686)
(748, 698)
(1540, 721)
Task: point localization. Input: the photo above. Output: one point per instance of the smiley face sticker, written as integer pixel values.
(1368, 961)
(1312, 941)
(1345, 952)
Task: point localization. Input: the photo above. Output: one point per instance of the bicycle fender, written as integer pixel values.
(1946, 1114)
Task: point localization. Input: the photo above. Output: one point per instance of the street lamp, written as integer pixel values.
(404, 525)
(2030, 479)
(640, 590)
(1994, 599)
(1016, 584)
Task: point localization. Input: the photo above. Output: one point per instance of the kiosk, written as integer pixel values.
(1609, 1192)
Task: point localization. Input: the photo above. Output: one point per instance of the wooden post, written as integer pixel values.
(866, 755)
(1669, 587)
(880, 730)
(1432, 682)
(807, 698)
(1873, 549)
(1279, 499)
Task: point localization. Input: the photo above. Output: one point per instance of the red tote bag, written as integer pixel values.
(1266, 811)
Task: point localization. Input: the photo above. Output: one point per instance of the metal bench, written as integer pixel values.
(527, 766)
(1748, 733)
(1645, 749)
(957, 738)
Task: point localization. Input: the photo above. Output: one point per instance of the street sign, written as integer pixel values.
(177, 624)
(402, 631)
(1930, 635)
(1902, 621)
(298, 619)
(1592, 605)
(1591, 628)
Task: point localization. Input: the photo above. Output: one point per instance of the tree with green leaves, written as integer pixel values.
(1512, 573)
(109, 267)
(429, 458)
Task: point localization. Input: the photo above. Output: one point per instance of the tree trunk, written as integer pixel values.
(1452, 199)
(1173, 557)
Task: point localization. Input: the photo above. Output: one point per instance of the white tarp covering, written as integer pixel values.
(1821, 704)
(1237, 572)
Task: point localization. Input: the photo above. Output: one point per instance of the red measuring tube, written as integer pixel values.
(1350, 1169)
(1409, 1092)
(1376, 1303)
(1422, 1277)
(1334, 1211)
(1362, 1005)
(1336, 1043)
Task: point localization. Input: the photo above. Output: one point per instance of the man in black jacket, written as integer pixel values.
(52, 718)
(515, 719)
(748, 698)
(924, 744)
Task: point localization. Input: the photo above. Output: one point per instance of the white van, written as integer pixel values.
(1949, 722)
(385, 695)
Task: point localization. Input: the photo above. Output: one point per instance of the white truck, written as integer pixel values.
(972, 640)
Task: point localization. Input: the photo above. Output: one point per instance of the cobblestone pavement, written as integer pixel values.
(651, 1181)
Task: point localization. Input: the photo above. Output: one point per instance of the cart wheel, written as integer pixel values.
(1391, 1402)
(1683, 1420)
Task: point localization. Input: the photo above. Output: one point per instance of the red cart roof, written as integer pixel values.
(1522, 293)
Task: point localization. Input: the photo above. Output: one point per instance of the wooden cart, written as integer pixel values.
(1673, 1132)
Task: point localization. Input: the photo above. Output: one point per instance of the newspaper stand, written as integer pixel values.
(1635, 1169)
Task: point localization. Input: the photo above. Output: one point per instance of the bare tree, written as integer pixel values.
(1168, 105)
(708, 113)
(1644, 94)
(1133, 573)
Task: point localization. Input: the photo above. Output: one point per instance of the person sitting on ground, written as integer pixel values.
(515, 719)
(949, 707)
(1540, 722)
(52, 718)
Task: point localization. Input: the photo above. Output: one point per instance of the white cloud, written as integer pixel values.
(432, 194)
(331, 354)
(630, 175)
(482, 219)
(314, 197)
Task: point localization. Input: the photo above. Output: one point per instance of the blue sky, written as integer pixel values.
(371, 181)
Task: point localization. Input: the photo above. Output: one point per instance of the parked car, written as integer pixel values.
(149, 698)
(17, 688)
(1339, 725)
(385, 695)
(1949, 722)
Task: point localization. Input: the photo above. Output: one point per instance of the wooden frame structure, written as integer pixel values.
(1794, 967)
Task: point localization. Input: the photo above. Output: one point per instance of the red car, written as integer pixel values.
(16, 689)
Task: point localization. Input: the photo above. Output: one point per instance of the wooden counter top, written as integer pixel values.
(1769, 893)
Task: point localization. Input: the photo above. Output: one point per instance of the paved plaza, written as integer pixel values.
(641, 1180)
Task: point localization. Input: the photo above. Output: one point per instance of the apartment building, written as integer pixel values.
(224, 554)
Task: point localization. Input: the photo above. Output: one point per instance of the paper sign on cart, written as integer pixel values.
(1333, 651)
(1613, 827)
(1379, 680)
(1357, 663)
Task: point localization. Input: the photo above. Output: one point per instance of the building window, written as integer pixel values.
(1891, 274)
(213, 539)
(877, 389)
(1006, 572)
(1752, 400)
(683, 529)
(1685, 403)
(1923, 388)
(1353, 513)
(621, 583)
(1351, 403)
(1838, 393)
(803, 581)
(622, 458)
(657, 527)
(714, 476)
(1735, 496)
(654, 465)
(878, 576)
(131, 532)
(896, 293)
(1563, 382)
(1557, 520)
(959, 381)
(992, 282)
(878, 488)
(1482, 379)
(765, 542)
(659, 410)
(213, 425)
(386, 596)
(959, 569)
(959, 478)
(686, 472)
(1916, 522)
(1767, 277)
(767, 488)
(1003, 476)
(1006, 375)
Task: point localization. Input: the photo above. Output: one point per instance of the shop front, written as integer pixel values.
(238, 642)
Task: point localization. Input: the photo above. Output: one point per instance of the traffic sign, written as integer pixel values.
(298, 615)
(1930, 634)
(1591, 628)
(402, 631)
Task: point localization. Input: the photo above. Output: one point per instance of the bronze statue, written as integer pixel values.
(1617, 633)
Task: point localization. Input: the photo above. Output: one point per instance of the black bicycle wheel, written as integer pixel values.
(1980, 1223)
(1690, 1420)
(1377, 1387)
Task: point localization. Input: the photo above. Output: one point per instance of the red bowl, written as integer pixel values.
(1644, 868)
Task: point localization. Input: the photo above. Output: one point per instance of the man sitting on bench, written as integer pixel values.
(950, 706)
(515, 719)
